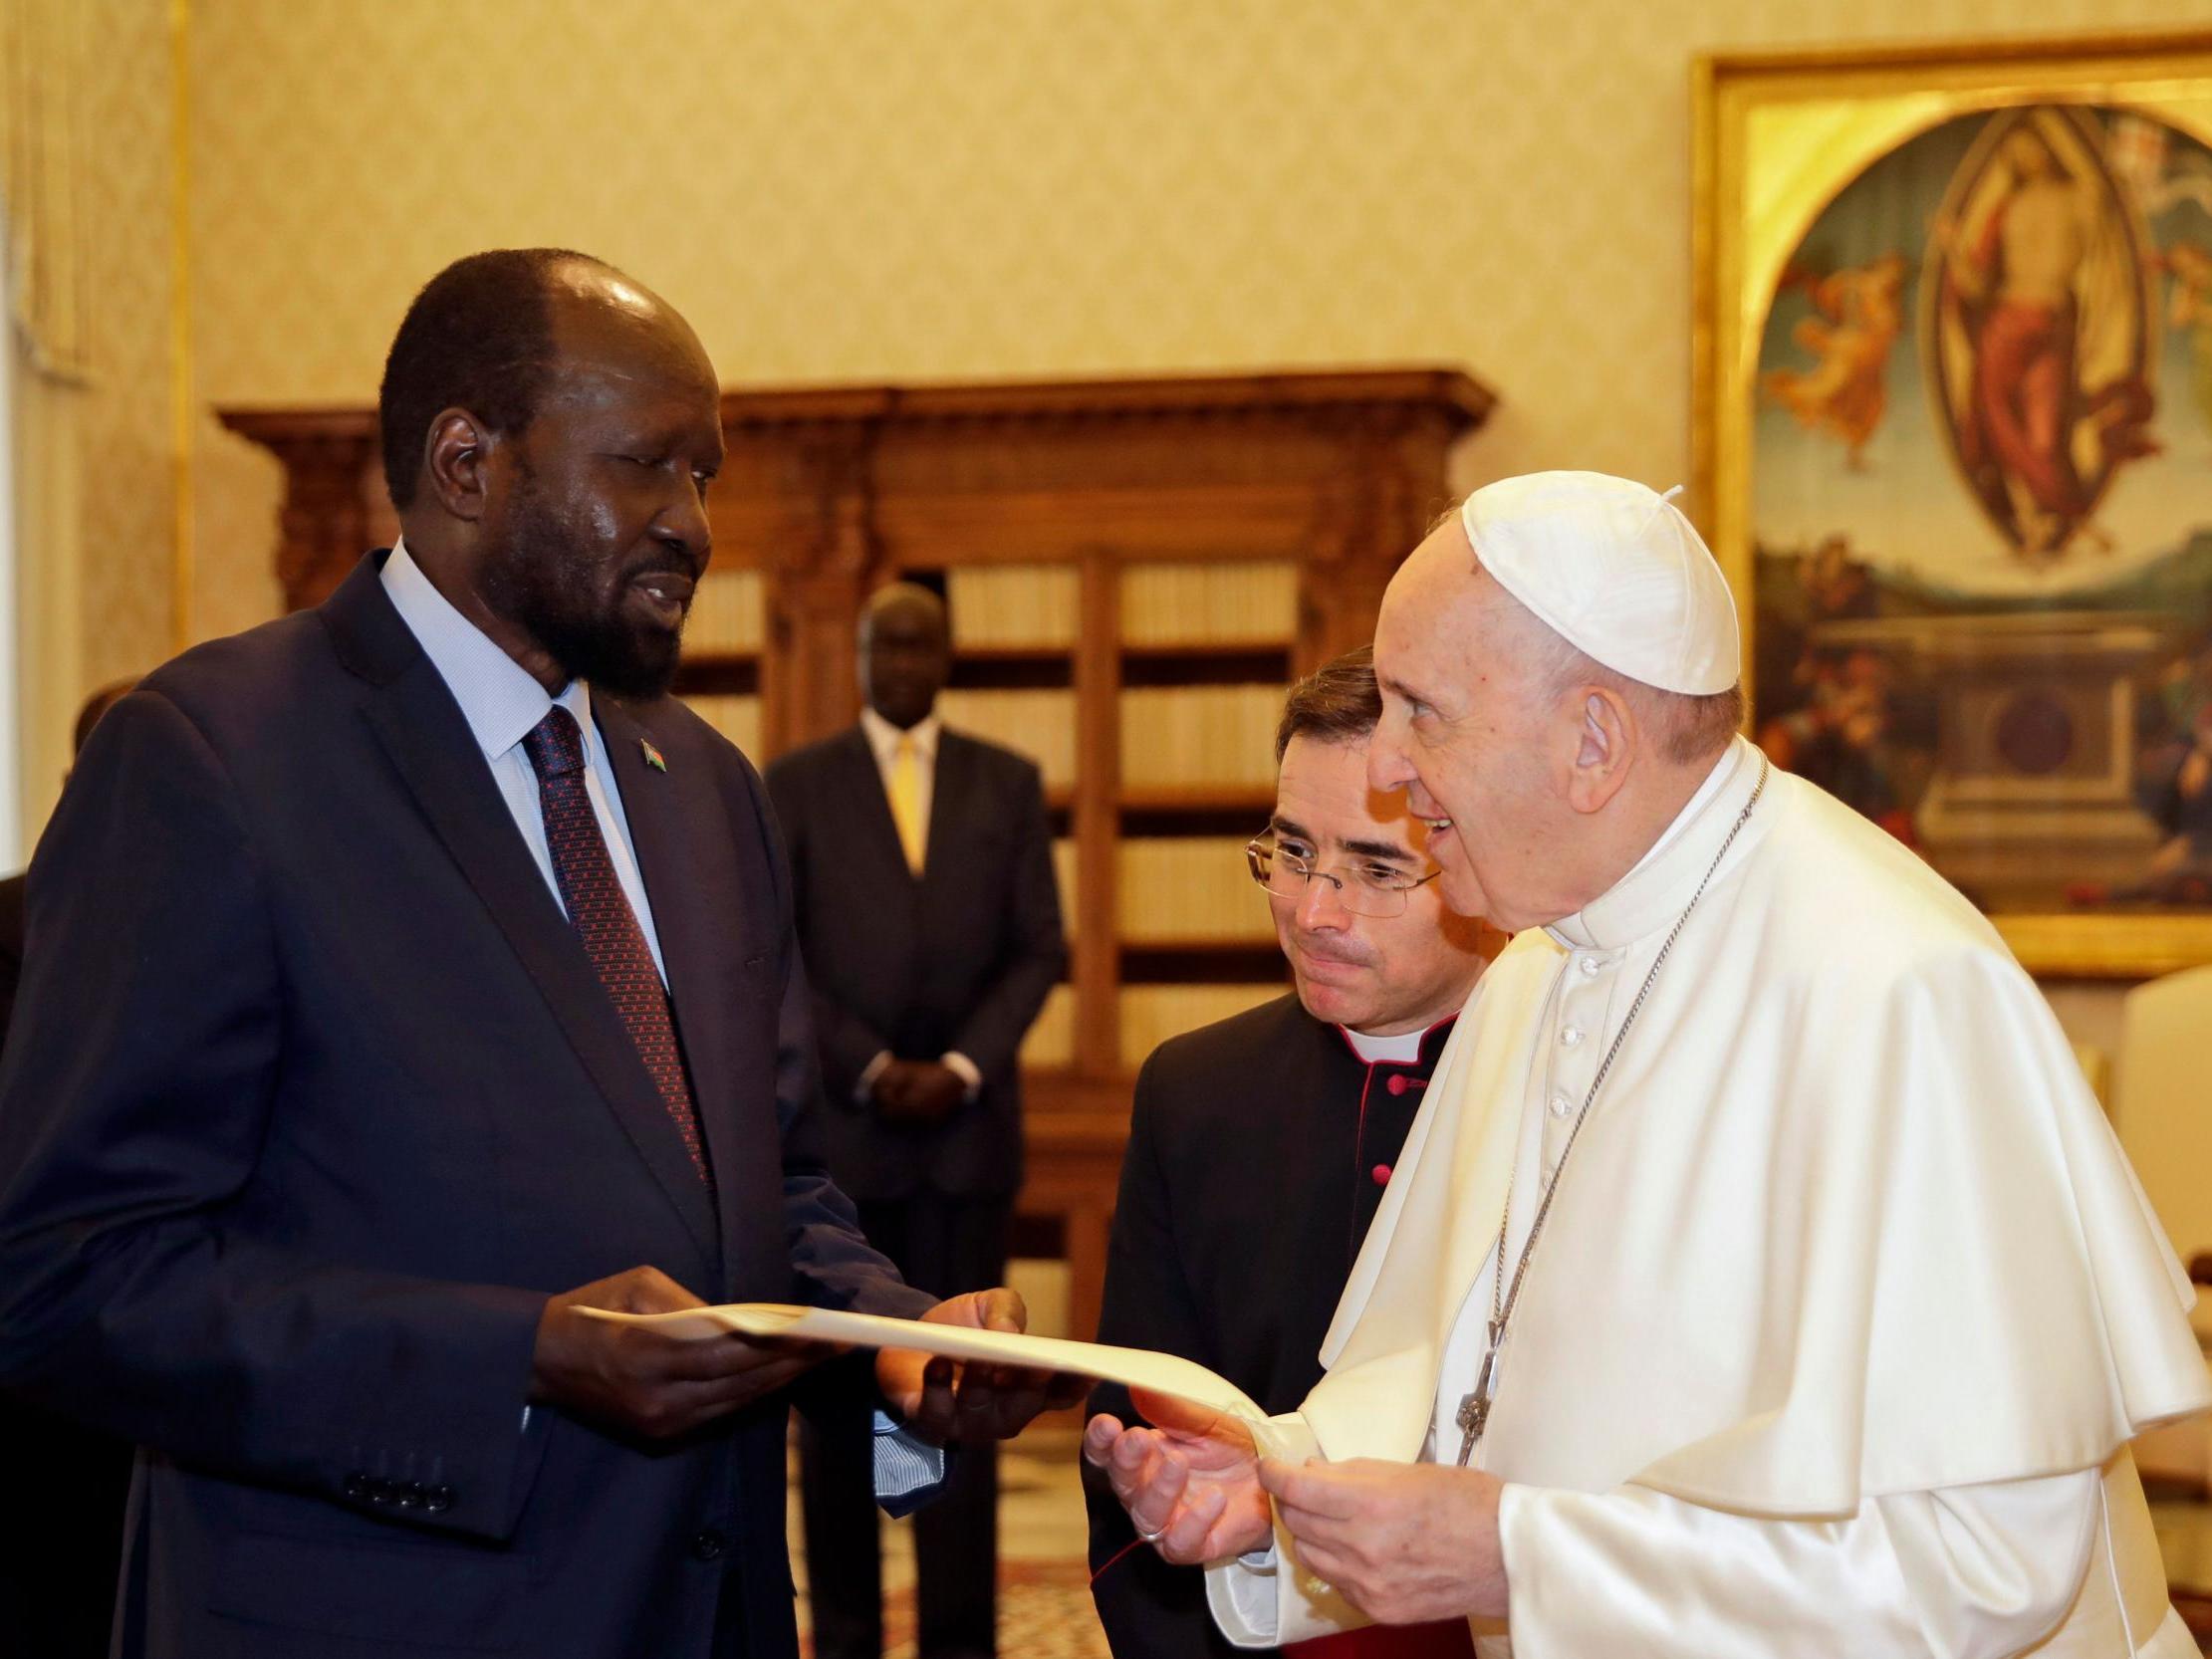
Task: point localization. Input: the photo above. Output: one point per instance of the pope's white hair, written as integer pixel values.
(1687, 727)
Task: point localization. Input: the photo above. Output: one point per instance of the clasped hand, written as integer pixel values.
(659, 1385)
(1402, 1543)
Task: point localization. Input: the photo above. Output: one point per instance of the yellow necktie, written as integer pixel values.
(905, 791)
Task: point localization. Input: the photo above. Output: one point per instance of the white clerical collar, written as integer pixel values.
(882, 736)
(1654, 891)
(1402, 1049)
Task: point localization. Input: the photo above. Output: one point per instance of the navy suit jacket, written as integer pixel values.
(311, 1098)
(957, 958)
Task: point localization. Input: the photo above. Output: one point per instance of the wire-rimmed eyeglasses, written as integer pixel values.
(1365, 889)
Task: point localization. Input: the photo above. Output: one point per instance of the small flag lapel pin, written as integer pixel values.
(653, 755)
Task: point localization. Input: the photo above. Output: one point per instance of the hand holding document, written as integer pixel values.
(1137, 1368)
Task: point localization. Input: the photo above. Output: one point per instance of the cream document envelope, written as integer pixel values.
(1163, 1373)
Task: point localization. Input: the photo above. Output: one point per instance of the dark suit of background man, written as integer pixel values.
(921, 870)
(403, 978)
(58, 1557)
(1260, 1146)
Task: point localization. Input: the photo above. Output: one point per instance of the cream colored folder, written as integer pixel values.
(1163, 1373)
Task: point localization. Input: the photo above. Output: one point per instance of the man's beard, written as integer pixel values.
(535, 580)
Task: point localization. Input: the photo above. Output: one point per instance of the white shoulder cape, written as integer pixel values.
(1845, 1221)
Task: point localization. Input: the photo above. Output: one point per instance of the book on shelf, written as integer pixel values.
(1051, 1041)
(1038, 723)
(728, 610)
(1221, 602)
(735, 717)
(1192, 735)
(1195, 887)
(1151, 1014)
(1013, 607)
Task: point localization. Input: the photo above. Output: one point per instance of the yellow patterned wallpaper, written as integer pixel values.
(918, 188)
(914, 188)
(94, 510)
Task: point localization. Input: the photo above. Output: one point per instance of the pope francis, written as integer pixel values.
(1760, 1278)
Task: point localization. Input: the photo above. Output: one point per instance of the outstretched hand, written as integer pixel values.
(966, 1401)
(1190, 1483)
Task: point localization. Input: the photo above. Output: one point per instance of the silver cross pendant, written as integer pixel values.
(1474, 1408)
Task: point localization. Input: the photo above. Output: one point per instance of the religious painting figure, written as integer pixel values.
(2040, 335)
(2190, 310)
(1844, 393)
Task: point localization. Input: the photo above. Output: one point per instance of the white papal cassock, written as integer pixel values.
(1846, 1310)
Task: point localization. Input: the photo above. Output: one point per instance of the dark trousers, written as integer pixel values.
(943, 1245)
(61, 1542)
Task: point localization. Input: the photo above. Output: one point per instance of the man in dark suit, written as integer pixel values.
(922, 871)
(406, 979)
(57, 1558)
(1307, 1098)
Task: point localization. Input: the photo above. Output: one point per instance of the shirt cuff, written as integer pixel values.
(908, 1469)
(864, 1089)
(965, 1069)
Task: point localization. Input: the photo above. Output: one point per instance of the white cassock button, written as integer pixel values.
(1559, 1106)
(1589, 966)
(1570, 1036)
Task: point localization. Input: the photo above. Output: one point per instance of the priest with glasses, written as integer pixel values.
(1309, 1099)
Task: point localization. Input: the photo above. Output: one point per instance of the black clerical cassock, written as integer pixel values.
(1259, 1148)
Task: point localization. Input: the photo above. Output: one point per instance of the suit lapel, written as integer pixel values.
(951, 791)
(878, 830)
(421, 729)
(692, 937)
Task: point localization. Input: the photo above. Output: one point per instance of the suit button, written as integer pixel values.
(437, 1500)
(381, 1491)
(356, 1488)
(709, 1545)
(1380, 1175)
(1396, 1084)
(409, 1496)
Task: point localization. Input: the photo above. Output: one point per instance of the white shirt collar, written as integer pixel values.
(498, 698)
(882, 736)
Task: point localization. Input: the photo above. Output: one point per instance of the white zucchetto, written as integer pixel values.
(1615, 570)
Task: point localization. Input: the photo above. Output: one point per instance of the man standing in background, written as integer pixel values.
(921, 874)
(1243, 1276)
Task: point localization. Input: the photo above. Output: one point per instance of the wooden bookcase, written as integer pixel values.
(1324, 478)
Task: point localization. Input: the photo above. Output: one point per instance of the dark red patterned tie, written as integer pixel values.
(603, 918)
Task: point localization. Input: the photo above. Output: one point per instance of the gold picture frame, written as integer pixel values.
(1777, 138)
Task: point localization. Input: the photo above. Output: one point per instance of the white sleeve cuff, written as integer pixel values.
(965, 1069)
(904, 1465)
(864, 1089)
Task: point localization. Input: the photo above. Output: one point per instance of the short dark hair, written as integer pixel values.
(479, 337)
(1338, 702)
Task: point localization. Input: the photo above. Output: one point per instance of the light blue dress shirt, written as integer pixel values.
(502, 704)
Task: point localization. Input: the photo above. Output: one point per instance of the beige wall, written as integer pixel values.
(912, 189)
(890, 189)
(96, 500)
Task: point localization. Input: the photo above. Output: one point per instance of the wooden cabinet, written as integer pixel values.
(1067, 519)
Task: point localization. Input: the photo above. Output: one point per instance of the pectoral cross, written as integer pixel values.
(1474, 1409)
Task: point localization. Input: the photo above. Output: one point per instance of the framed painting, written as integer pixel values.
(1954, 446)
